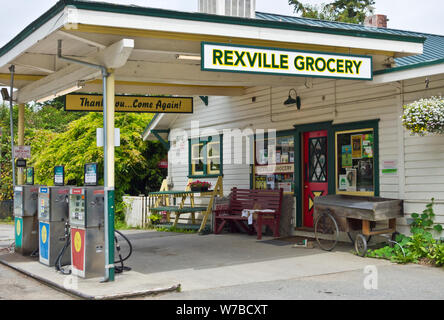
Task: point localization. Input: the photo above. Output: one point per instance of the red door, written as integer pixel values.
(315, 171)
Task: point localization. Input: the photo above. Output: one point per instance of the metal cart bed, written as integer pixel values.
(356, 215)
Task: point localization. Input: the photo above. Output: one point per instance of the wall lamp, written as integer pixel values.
(5, 94)
(293, 100)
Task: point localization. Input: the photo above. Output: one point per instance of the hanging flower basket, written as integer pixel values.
(425, 116)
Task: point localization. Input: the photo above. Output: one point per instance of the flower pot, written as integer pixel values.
(199, 189)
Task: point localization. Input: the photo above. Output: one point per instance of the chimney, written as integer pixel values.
(234, 8)
(377, 20)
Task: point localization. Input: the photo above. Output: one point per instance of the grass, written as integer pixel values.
(8, 220)
(121, 225)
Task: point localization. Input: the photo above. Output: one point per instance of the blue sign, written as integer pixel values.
(44, 240)
(43, 190)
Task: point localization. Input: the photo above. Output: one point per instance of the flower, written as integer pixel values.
(202, 184)
(425, 116)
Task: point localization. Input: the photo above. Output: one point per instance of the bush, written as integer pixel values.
(419, 246)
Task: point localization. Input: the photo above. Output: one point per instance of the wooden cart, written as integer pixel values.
(356, 215)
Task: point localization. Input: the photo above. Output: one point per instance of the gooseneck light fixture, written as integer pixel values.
(293, 100)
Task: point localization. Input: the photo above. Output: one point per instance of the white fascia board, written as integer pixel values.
(408, 74)
(45, 30)
(153, 125)
(116, 20)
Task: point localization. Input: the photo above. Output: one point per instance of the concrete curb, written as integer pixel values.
(90, 297)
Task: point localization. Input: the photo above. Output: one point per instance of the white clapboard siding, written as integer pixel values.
(424, 156)
(420, 159)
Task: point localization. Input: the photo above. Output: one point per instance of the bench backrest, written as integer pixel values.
(248, 199)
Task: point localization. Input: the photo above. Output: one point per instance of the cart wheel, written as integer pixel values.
(361, 245)
(326, 231)
(352, 237)
(393, 239)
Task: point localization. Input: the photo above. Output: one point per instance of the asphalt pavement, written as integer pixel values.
(237, 267)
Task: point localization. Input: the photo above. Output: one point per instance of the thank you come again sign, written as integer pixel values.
(151, 104)
(234, 58)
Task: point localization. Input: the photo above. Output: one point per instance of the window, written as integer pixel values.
(355, 169)
(206, 156)
(280, 175)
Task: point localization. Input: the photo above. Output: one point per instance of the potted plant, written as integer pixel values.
(425, 116)
(197, 185)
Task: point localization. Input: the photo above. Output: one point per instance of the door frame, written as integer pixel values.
(298, 177)
(304, 179)
(331, 152)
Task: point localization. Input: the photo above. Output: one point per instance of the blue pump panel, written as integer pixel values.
(44, 236)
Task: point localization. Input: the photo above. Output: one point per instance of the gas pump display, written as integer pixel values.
(53, 217)
(25, 219)
(86, 216)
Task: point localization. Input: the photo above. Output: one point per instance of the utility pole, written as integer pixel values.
(11, 122)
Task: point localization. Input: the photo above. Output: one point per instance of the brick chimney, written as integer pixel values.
(377, 20)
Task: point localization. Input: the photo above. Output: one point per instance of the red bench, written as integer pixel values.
(241, 199)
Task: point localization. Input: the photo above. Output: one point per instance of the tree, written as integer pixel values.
(64, 138)
(350, 11)
(135, 160)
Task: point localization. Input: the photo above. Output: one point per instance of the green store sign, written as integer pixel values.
(233, 58)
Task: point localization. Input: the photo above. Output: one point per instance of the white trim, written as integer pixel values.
(117, 20)
(86, 41)
(49, 27)
(153, 125)
(408, 74)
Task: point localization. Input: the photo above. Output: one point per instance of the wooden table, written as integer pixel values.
(162, 202)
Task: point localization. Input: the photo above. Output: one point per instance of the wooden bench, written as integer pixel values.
(241, 199)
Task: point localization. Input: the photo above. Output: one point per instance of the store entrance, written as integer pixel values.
(315, 178)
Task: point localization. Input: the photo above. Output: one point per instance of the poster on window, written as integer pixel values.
(263, 156)
(367, 145)
(343, 182)
(351, 179)
(356, 143)
(347, 160)
(286, 186)
(270, 182)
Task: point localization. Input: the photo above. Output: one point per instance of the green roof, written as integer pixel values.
(262, 21)
(433, 45)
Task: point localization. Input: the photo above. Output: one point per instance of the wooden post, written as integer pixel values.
(365, 227)
(21, 139)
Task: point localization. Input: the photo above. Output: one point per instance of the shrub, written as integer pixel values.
(419, 246)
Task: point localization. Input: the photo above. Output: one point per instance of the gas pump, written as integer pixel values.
(53, 218)
(86, 217)
(25, 219)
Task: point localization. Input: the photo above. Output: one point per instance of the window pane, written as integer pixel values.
(196, 151)
(214, 166)
(213, 149)
(317, 159)
(279, 151)
(355, 162)
(197, 167)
